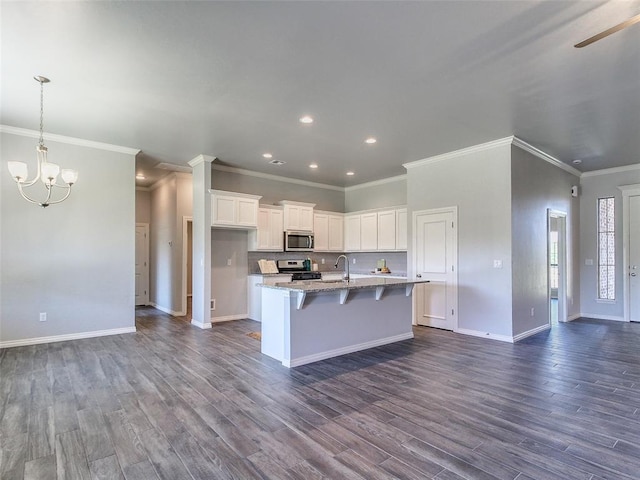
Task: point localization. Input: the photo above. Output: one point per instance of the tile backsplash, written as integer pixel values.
(365, 261)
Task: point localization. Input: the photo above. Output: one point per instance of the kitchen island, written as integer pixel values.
(308, 321)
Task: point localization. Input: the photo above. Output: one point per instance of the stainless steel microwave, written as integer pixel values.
(298, 241)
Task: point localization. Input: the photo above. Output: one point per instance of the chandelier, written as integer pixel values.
(46, 172)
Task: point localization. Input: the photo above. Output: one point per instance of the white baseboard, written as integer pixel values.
(200, 325)
(492, 336)
(64, 338)
(227, 318)
(167, 310)
(533, 331)
(596, 316)
(573, 317)
(296, 362)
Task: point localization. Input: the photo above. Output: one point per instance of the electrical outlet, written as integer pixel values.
(43, 316)
(354, 261)
(533, 311)
(322, 261)
(213, 304)
(497, 264)
(228, 262)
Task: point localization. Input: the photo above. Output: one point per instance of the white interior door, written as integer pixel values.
(142, 264)
(634, 258)
(435, 259)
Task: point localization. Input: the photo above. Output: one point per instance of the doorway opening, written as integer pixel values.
(557, 266)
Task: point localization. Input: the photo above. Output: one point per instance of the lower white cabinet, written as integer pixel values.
(254, 293)
(269, 236)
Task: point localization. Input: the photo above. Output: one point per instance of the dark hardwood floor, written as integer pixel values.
(175, 402)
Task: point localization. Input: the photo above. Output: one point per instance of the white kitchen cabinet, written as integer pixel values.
(336, 233)
(401, 229)
(328, 231)
(298, 216)
(234, 210)
(369, 232)
(269, 235)
(381, 230)
(352, 228)
(387, 230)
(254, 293)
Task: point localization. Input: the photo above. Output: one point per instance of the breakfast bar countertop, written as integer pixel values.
(316, 286)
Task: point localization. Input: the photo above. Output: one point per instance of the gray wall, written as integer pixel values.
(273, 191)
(376, 195)
(75, 260)
(143, 205)
(479, 184)
(229, 282)
(593, 187)
(536, 186)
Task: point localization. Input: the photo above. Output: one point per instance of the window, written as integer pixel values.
(606, 249)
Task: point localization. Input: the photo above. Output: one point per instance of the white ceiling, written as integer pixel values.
(231, 79)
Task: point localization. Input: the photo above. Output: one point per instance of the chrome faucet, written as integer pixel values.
(345, 275)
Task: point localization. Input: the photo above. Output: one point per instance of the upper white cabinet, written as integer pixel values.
(369, 231)
(379, 230)
(269, 236)
(352, 228)
(234, 210)
(387, 230)
(298, 216)
(328, 231)
(401, 229)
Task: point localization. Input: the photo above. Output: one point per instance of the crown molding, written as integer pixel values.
(52, 137)
(609, 171)
(172, 167)
(521, 144)
(200, 159)
(168, 177)
(269, 176)
(376, 183)
(459, 153)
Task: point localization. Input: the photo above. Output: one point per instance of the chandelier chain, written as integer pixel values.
(41, 113)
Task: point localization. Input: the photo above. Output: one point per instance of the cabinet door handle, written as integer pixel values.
(633, 274)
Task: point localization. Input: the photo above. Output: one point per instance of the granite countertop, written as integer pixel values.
(313, 286)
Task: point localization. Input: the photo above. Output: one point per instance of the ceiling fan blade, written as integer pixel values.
(608, 32)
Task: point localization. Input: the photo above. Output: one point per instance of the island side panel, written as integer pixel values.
(275, 317)
(323, 328)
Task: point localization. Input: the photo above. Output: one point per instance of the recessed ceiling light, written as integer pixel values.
(306, 119)
(277, 162)
(313, 165)
(370, 140)
(350, 173)
(140, 176)
(577, 161)
(267, 155)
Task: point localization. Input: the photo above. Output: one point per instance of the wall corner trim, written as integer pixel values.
(52, 137)
(64, 338)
